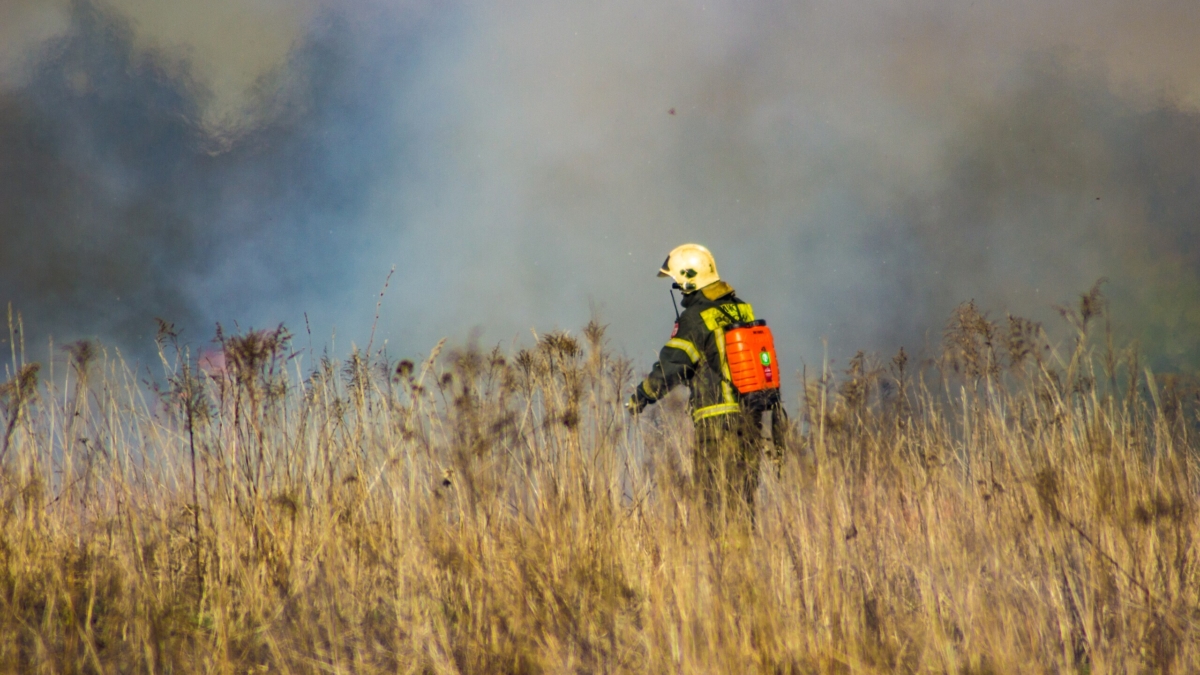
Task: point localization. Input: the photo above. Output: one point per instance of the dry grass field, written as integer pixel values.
(1004, 508)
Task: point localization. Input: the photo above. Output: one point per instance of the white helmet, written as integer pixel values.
(691, 266)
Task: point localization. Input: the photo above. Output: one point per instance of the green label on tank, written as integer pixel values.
(765, 358)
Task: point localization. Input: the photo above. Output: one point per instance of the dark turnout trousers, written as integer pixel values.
(728, 455)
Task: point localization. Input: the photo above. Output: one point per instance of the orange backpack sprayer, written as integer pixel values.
(753, 366)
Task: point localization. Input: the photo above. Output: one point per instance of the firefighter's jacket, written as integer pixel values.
(695, 354)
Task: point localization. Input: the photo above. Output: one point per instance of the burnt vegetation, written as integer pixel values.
(1009, 504)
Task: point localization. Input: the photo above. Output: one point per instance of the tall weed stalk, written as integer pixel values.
(1001, 508)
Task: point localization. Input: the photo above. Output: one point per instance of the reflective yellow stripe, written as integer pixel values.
(720, 335)
(687, 347)
(714, 410)
(726, 378)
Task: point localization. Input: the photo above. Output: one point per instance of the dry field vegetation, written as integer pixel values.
(1006, 507)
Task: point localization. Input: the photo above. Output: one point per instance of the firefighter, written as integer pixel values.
(728, 435)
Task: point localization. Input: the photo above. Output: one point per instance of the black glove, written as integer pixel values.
(636, 403)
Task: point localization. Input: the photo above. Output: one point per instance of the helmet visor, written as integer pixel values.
(665, 271)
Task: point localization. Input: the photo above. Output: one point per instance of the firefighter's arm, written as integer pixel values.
(676, 365)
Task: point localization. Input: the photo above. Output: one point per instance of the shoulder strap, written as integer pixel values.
(735, 302)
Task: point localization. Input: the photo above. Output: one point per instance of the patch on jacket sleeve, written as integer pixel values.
(675, 330)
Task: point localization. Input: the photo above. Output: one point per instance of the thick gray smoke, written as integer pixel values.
(858, 168)
(118, 205)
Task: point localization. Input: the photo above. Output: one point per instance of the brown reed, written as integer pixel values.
(1000, 509)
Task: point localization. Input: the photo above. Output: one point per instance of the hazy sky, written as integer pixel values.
(857, 168)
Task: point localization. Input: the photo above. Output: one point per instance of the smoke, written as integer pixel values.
(858, 168)
(118, 204)
(1062, 183)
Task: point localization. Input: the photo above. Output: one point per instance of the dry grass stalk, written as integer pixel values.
(497, 513)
